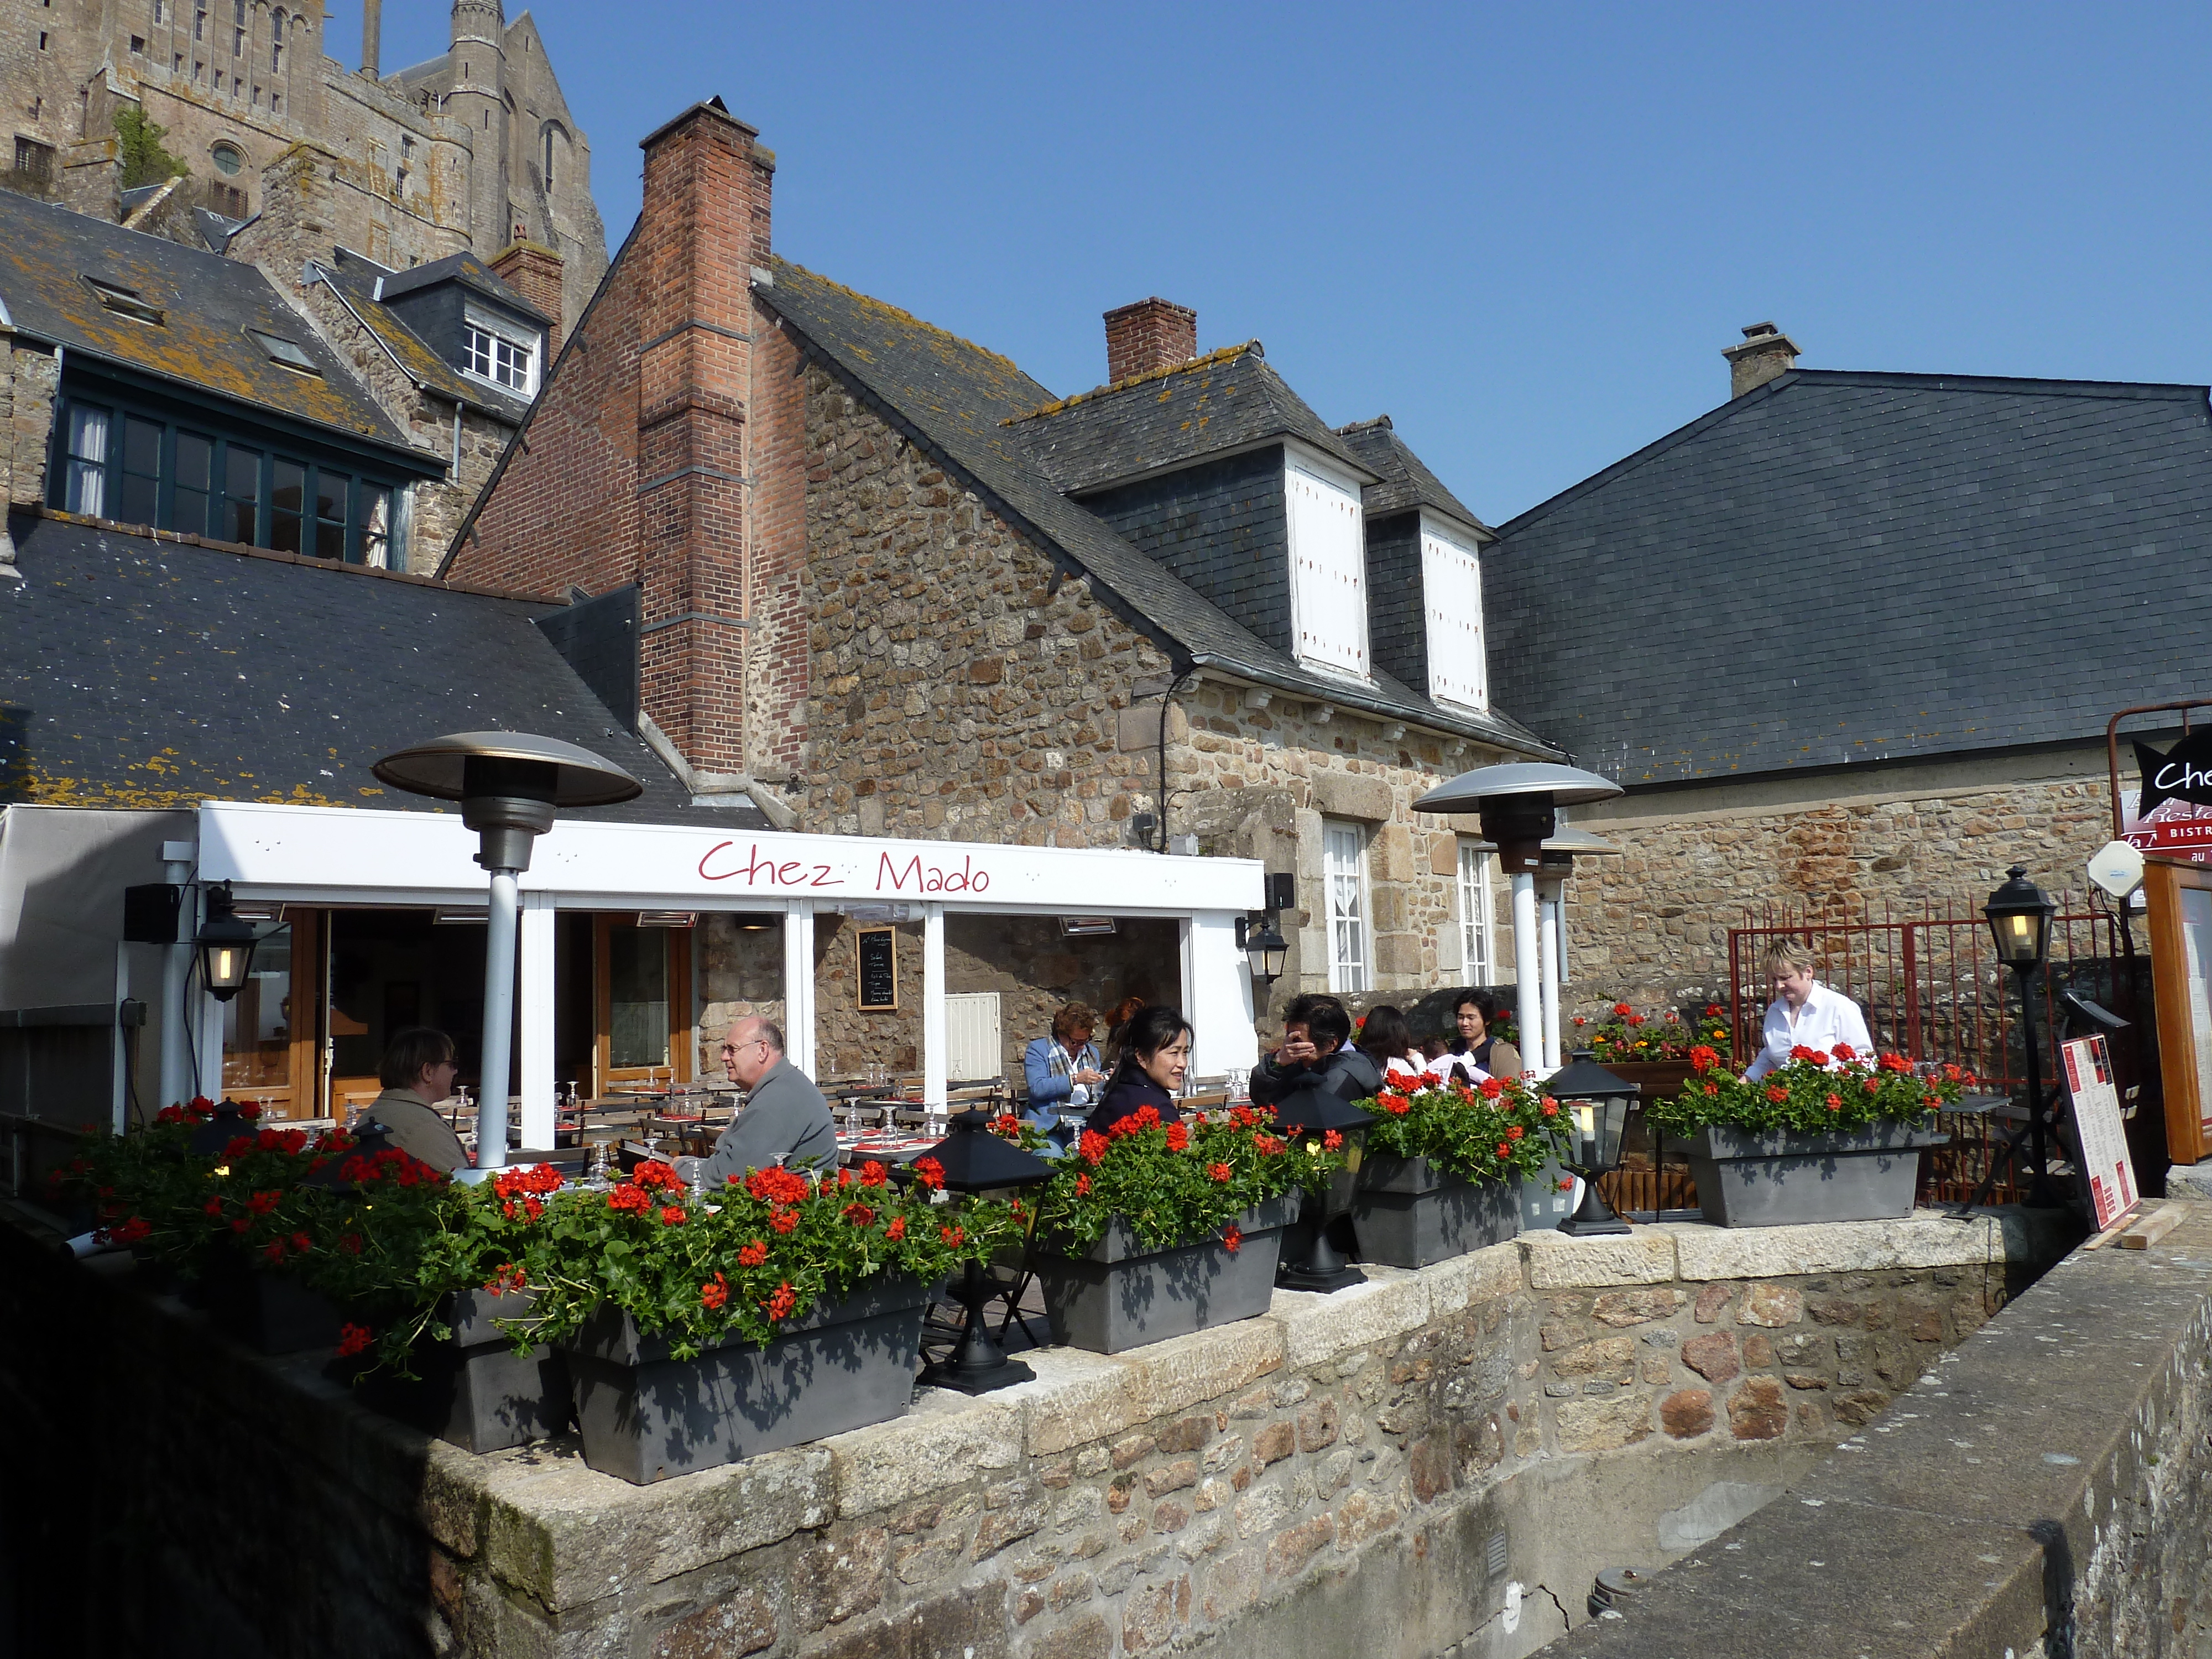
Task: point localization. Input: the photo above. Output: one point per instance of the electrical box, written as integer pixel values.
(152, 912)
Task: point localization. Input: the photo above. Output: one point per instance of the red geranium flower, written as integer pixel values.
(1092, 1147)
(1492, 1087)
(858, 1214)
(1331, 1140)
(873, 1173)
(352, 1339)
(715, 1292)
(1233, 1240)
(1178, 1138)
(781, 1303)
(952, 1236)
(1776, 1093)
(349, 1243)
(671, 1216)
(1844, 1051)
(1220, 1172)
(1083, 1185)
(1835, 1102)
(896, 1231)
(753, 1253)
(928, 1174)
(783, 1220)
(1623, 1010)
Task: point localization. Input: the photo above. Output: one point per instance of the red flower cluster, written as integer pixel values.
(1233, 1240)
(1144, 1118)
(753, 1253)
(654, 1175)
(1776, 1093)
(1220, 1172)
(127, 1233)
(928, 1174)
(401, 1169)
(715, 1292)
(1703, 1057)
(507, 1279)
(519, 1190)
(873, 1173)
(1817, 1056)
(671, 1215)
(1393, 1103)
(629, 1199)
(858, 1214)
(896, 1231)
(1896, 1063)
(1091, 1146)
(779, 1304)
(1178, 1137)
(1623, 1010)
(954, 1236)
(352, 1339)
(1332, 1140)
(783, 1220)
(1083, 1184)
(777, 1186)
(1491, 1088)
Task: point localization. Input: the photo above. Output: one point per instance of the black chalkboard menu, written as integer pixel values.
(878, 975)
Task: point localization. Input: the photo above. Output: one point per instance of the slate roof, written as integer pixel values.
(1405, 482)
(354, 279)
(469, 271)
(959, 398)
(144, 672)
(1226, 401)
(208, 303)
(1838, 568)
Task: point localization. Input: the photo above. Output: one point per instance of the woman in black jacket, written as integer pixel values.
(1155, 1058)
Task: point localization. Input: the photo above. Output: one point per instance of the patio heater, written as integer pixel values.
(2020, 915)
(979, 1161)
(509, 785)
(1518, 804)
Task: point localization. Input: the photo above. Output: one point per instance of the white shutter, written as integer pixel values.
(1329, 572)
(972, 1050)
(1451, 592)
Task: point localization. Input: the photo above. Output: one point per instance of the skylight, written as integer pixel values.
(126, 302)
(286, 353)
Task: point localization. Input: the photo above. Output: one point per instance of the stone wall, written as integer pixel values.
(1435, 1458)
(30, 376)
(1653, 926)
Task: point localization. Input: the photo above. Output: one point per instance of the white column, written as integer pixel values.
(934, 1055)
(1548, 951)
(119, 1047)
(1529, 1008)
(174, 1083)
(498, 1082)
(207, 1040)
(540, 1088)
(1217, 996)
(799, 984)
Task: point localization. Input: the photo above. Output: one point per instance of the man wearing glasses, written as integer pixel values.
(786, 1120)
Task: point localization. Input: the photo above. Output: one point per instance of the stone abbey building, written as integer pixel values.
(472, 151)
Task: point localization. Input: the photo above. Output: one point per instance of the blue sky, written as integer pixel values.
(1525, 231)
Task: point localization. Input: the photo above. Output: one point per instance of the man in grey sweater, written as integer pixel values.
(786, 1120)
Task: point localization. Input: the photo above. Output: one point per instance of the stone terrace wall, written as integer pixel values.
(1436, 1458)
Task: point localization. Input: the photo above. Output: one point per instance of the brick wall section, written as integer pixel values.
(1151, 334)
(1223, 528)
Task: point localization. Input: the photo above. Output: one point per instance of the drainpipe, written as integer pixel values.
(1167, 703)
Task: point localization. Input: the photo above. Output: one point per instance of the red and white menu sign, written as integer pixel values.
(2102, 1138)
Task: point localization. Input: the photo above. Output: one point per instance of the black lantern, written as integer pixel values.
(1263, 946)
(1596, 1103)
(2020, 915)
(979, 1161)
(509, 785)
(225, 945)
(1313, 1112)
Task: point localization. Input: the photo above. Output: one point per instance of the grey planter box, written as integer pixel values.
(270, 1312)
(473, 1390)
(1408, 1214)
(1122, 1294)
(1779, 1179)
(645, 1416)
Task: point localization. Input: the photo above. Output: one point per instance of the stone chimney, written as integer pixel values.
(533, 271)
(1149, 334)
(1765, 353)
(372, 37)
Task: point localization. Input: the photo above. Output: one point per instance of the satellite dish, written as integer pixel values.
(2118, 868)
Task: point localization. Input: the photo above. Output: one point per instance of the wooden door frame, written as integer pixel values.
(681, 1040)
(2164, 882)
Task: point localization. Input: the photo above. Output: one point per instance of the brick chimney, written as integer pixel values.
(1765, 353)
(533, 271)
(1149, 334)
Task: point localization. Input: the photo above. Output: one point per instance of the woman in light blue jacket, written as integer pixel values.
(1063, 1070)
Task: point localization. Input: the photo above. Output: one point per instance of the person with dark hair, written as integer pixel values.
(1155, 1058)
(786, 1120)
(1064, 1071)
(1386, 1036)
(1480, 1053)
(417, 1073)
(1117, 1027)
(1316, 1048)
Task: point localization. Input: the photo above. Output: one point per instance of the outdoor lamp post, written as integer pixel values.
(1596, 1103)
(1313, 1111)
(2020, 915)
(1518, 802)
(1263, 946)
(977, 1160)
(509, 785)
(225, 945)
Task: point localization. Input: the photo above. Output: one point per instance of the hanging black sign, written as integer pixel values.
(2182, 773)
(879, 972)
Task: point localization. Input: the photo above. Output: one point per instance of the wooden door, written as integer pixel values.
(270, 1049)
(2178, 902)
(641, 990)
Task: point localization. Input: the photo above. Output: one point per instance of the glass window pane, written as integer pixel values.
(287, 494)
(372, 527)
(137, 505)
(242, 496)
(141, 447)
(86, 485)
(257, 1023)
(195, 455)
(637, 978)
(329, 513)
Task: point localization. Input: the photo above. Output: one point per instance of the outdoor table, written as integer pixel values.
(856, 1150)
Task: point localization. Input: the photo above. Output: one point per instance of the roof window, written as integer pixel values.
(127, 302)
(286, 353)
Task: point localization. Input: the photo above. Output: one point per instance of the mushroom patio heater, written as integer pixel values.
(1596, 1103)
(1314, 1111)
(509, 785)
(2020, 915)
(979, 1161)
(1518, 802)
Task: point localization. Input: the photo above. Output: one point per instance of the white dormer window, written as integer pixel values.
(1328, 570)
(501, 354)
(1451, 597)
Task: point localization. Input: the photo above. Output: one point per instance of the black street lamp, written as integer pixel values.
(1313, 1111)
(2020, 915)
(978, 1162)
(1596, 1103)
(1263, 945)
(225, 945)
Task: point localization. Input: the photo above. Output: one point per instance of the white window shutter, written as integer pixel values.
(1329, 572)
(1451, 593)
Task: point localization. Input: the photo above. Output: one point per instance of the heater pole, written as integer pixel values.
(498, 1019)
(1527, 970)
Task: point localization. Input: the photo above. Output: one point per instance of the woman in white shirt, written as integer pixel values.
(1804, 1014)
(1387, 1038)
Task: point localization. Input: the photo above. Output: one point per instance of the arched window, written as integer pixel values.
(554, 144)
(276, 44)
(549, 158)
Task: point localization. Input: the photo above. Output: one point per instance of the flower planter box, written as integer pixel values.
(1782, 1178)
(270, 1312)
(1409, 1212)
(473, 1390)
(645, 1417)
(1122, 1294)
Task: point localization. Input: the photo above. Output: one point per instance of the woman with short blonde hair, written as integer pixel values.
(1805, 1014)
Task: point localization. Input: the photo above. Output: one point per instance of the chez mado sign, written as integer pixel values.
(354, 857)
(2172, 813)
